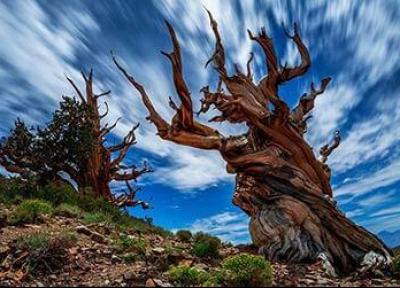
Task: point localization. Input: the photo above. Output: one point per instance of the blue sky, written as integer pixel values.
(355, 42)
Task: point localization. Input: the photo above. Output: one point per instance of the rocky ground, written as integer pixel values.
(94, 260)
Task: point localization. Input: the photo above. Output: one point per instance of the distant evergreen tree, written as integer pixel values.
(71, 147)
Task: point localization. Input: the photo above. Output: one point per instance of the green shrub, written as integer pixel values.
(129, 244)
(30, 211)
(128, 257)
(245, 270)
(201, 237)
(187, 277)
(396, 251)
(67, 238)
(13, 190)
(44, 253)
(68, 210)
(57, 194)
(184, 235)
(206, 246)
(33, 241)
(90, 218)
(396, 264)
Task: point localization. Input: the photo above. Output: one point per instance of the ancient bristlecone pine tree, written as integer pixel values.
(280, 183)
(73, 143)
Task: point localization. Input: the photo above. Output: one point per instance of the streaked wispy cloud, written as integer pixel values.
(229, 226)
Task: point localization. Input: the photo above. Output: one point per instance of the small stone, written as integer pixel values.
(150, 283)
(158, 250)
(98, 238)
(378, 273)
(84, 230)
(107, 282)
(322, 281)
(307, 282)
(201, 266)
(186, 262)
(73, 251)
(378, 282)
(129, 276)
(115, 259)
(4, 250)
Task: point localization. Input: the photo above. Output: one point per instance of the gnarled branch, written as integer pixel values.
(78, 92)
(268, 47)
(306, 103)
(184, 118)
(327, 149)
(288, 73)
(133, 174)
(198, 135)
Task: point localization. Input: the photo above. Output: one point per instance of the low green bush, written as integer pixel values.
(206, 246)
(67, 238)
(57, 194)
(184, 235)
(185, 276)
(45, 253)
(127, 243)
(68, 210)
(245, 270)
(396, 264)
(33, 241)
(128, 257)
(90, 218)
(15, 190)
(30, 211)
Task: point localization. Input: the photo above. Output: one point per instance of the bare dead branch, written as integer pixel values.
(78, 92)
(327, 149)
(161, 124)
(103, 94)
(289, 73)
(107, 129)
(106, 112)
(185, 111)
(249, 73)
(306, 103)
(268, 47)
(218, 57)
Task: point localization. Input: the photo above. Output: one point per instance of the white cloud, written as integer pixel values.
(355, 213)
(384, 177)
(331, 110)
(229, 226)
(388, 223)
(193, 169)
(38, 52)
(377, 199)
(388, 211)
(370, 139)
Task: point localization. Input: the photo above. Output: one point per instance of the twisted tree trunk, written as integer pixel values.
(280, 183)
